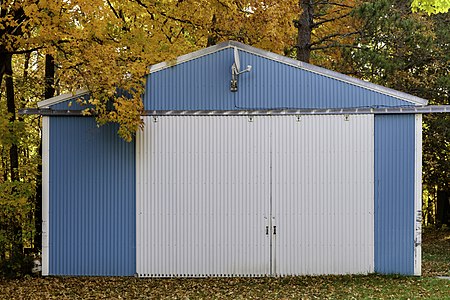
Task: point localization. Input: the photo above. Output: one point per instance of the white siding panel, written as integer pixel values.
(323, 194)
(45, 194)
(203, 197)
(207, 188)
(418, 198)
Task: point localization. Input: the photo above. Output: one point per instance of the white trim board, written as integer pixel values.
(61, 98)
(45, 193)
(418, 197)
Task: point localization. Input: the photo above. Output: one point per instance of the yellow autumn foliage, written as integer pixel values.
(104, 45)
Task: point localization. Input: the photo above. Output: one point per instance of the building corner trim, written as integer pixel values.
(418, 196)
(45, 193)
(138, 202)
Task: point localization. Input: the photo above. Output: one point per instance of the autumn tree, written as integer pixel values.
(106, 45)
(101, 45)
(30, 31)
(410, 52)
(323, 27)
(431, 6)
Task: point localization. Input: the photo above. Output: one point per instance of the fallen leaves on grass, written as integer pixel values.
(436, 261)
(436, 252)
(301, 287)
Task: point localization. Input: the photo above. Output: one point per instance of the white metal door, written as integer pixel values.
(203, 197)
(322, 194)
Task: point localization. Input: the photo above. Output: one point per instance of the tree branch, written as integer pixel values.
(333, 45)
(317, 24)
(23, 51)
(164, 14)
(333, 3)
(113, 9)
(328, 37)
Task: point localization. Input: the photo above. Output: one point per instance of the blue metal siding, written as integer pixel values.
(394, 194)
(92, 199)
(204, 84)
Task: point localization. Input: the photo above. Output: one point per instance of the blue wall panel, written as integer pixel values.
(394, 194)
(204, 84)
(92, 199)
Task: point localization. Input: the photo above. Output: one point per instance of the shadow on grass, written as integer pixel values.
(436, 252)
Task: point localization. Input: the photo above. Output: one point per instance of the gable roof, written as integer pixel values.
(264, 54)
(290, 62)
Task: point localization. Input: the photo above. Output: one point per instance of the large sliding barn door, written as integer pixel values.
(276, 195)
(203, 197)
(322, 195)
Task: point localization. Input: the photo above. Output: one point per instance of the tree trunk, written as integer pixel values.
(442, 208)
(49, 92)
(17, 244)
(11, 106)
(49, 76)
(304, 28)
(212, 37)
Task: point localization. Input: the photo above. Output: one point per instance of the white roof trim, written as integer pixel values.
(294, 63)
(61, 98)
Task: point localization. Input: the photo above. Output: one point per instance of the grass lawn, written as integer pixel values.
(436, 252)
(436, 261)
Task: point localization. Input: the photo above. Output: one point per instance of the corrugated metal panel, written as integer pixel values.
(208, 89)
(92, 199)
(322, 194)
(204, 83)
(394, 193)
(211, 191)
(202, 197)
(287, 61)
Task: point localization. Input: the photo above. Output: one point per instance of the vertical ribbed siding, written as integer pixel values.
(204, 83)
(394, 193)
(208, 187)
(202, 197)
(322, 194)
(92, 199)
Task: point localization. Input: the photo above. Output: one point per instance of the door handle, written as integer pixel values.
(267, 230)
(274, 230)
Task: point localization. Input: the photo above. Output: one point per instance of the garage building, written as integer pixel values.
(250, 164)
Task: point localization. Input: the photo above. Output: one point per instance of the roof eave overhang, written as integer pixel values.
(61, 98)
(426, 109)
